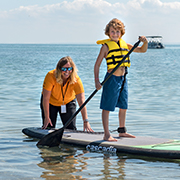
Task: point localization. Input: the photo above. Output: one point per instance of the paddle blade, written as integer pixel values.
(52, 139)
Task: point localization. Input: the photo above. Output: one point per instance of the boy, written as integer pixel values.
(115, 90)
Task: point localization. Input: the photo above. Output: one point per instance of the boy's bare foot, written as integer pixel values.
(109, 138)
(126, 135)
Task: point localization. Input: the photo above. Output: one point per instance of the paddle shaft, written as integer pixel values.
(95, 91)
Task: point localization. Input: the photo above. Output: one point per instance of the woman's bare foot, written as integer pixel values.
(109, 138)
(126, 135)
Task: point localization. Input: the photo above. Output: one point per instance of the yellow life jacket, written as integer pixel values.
(116, 53)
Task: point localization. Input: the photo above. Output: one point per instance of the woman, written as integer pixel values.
(60, 89)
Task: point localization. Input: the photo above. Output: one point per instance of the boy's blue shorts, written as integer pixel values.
(111, 96)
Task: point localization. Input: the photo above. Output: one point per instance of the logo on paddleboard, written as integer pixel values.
(109, 149)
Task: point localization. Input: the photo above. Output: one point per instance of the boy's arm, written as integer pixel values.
(102, 54)
(140, 49)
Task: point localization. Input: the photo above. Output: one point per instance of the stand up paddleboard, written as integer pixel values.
(144, 146)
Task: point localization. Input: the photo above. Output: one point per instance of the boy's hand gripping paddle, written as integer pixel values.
(54, 138)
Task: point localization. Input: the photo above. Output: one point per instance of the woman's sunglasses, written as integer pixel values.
(65, 69)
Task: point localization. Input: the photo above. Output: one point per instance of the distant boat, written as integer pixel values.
(155, 42)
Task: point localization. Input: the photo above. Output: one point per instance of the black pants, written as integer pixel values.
(53, 112)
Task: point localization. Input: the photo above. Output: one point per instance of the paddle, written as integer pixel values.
(54, 138)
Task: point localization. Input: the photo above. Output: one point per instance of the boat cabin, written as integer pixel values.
(155, 42)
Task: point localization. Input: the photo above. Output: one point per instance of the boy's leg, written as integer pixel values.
(105, 121)
(122, 119)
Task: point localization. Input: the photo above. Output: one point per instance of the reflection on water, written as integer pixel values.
(62, 163)
(111, 168)
(66, 162)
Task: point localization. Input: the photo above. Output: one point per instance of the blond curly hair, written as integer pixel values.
(116, 24)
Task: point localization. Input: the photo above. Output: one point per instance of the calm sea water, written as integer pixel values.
(154, 110)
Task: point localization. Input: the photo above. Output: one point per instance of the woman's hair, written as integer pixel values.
(58, 71)
(116, 24)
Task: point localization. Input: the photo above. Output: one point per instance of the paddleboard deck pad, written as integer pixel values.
(93, 141)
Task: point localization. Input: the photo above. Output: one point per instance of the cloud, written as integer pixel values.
(83, 8)
(84, 20)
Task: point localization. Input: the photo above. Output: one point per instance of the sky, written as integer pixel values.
(84, 21)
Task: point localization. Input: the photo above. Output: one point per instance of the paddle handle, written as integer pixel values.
(95, 91)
